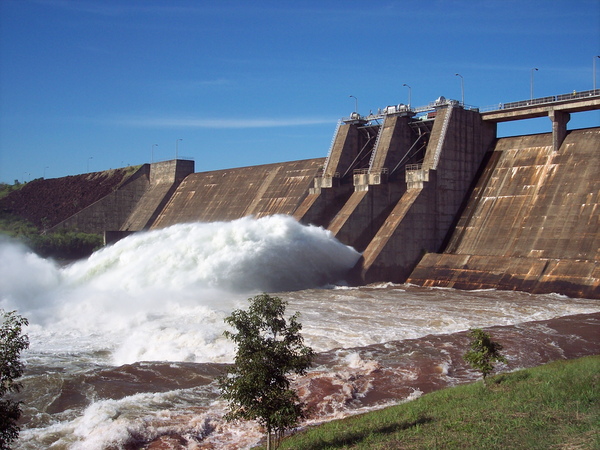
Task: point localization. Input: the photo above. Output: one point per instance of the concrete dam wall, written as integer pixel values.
(435, 200)
(224, 195)
(531, 223)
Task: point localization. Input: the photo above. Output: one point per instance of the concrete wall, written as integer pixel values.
(165, 177)
(532, 222)
(230, 194)
(136, 203)
(422, 218)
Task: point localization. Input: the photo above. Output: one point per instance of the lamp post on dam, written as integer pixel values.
(177, 148)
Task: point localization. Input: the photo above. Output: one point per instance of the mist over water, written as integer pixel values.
(162, 295)
(126, 345)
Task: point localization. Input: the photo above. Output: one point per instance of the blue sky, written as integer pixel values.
(89, 85)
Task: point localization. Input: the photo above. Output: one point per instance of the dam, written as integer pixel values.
(429, 196)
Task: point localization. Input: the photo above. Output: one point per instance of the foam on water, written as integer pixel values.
(162, 295)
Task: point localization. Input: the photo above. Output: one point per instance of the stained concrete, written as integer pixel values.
(532, 222)
(224, 195)
(424, 215)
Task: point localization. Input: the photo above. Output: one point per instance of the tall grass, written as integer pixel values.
(552, 406)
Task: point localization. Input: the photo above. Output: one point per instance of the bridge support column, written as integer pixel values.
(559, 127)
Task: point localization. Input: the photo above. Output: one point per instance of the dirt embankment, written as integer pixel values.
(45, 203)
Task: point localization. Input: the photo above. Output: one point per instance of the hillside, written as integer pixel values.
(45, 203)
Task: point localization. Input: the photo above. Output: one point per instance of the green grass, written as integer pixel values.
(555, 406)
(6, 189)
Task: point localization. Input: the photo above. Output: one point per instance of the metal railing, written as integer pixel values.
(404, 109)
(337, 128)
(542, 100)
(413, 167)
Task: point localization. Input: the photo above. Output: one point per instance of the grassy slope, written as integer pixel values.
(552, 406)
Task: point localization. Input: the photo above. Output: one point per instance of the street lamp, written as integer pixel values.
(88, 163)
(355, 103)
(409, 94)
(152, 154)
(535, 69)
(462, 87)
(177, 147)
(595, 70)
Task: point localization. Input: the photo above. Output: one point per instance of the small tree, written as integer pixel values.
(12, 342)
(269, 348)
(483, 353)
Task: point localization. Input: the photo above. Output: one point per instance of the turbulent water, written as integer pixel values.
(126, 345)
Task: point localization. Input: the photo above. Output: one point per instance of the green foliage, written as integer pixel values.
(484, 352)
(12, 342)
(269, 347)
(66, 244)
(62, 244)
(6, 189)
(16, 227)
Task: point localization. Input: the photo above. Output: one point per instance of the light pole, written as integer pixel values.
(177, 147)
(409, 94)
(88, 163)
(152, 153)
(535, 69)
(595, 70)
(355, 103)
(45, 171)
(462, 88)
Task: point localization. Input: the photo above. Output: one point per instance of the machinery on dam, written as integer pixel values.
(428, 195)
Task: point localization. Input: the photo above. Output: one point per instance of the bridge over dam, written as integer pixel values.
(429, 195)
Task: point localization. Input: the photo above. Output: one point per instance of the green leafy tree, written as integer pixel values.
(484, 352)
(12, 342)
(269, 347)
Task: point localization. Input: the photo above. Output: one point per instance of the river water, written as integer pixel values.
(126, 345)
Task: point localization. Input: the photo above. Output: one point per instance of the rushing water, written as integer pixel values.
(126, 345)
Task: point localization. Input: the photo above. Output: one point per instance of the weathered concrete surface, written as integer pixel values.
(367, 209)
(332, 188)
(321, 206)
(230, 194)
(347, 146)
(425, 214)
(165, 177)
(532, 222)
(395, 136)
(135, 204)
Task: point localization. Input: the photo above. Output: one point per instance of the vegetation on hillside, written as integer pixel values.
(552, 406)
(63, 244)
(6, 188)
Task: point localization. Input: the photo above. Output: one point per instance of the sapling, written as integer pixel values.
(484, 352)
(269, 347)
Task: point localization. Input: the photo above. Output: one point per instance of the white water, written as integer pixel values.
(163, 295)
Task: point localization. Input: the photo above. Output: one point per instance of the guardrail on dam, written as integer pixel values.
(429, 195)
